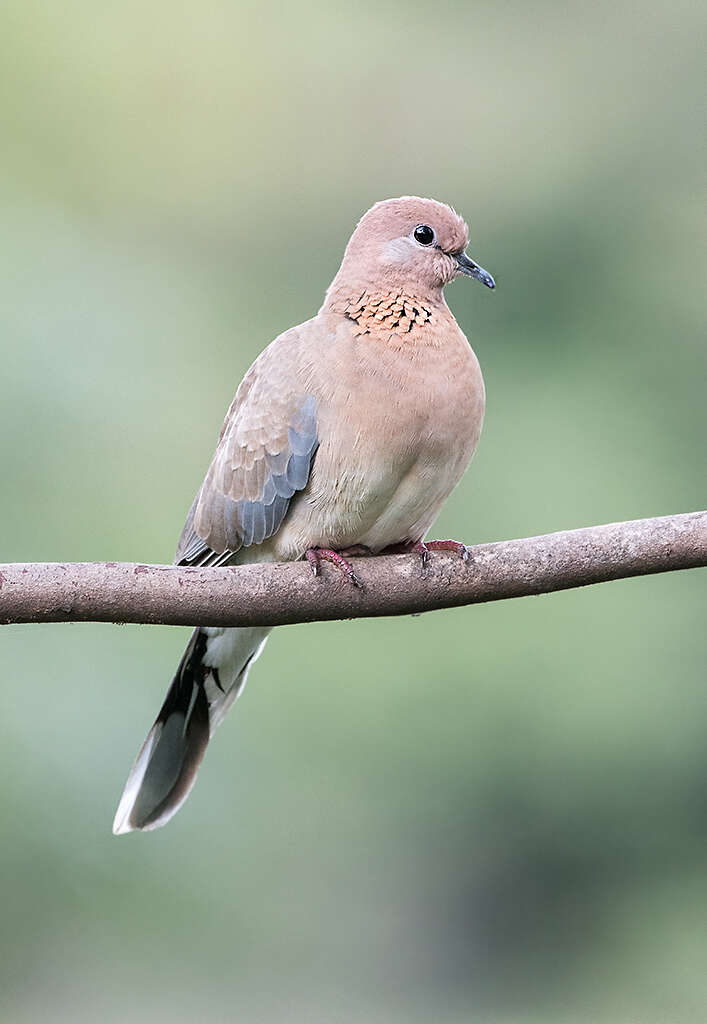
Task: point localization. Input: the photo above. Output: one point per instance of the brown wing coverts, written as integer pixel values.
(264, 456)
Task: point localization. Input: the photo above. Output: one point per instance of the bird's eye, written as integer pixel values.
(424, 234)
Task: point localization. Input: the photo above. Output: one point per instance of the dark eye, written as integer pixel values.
(424, 234)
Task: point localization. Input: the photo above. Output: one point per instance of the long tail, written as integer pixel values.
(210, 676)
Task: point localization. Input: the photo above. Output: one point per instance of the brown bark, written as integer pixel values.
(275, 594)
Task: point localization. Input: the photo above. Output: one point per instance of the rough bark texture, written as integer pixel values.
(275, 594)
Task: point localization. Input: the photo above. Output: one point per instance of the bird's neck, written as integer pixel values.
(389, 313)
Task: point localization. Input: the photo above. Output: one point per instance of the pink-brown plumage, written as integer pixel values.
(351, 429)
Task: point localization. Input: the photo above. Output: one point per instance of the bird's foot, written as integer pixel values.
(316, 555)
(423, 549)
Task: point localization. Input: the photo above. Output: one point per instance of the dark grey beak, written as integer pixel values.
(471, 269)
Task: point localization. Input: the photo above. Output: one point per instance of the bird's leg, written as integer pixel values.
(339, 558)
(423, 549)
(316, 555)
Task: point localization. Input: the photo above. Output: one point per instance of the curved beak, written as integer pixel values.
(471, 269)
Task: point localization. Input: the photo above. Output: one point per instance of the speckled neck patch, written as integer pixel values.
(394, 316)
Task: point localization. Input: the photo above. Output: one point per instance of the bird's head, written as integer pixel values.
(418, 243)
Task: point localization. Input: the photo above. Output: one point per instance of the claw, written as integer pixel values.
(311, 556)
(316, 555)
(423, 549)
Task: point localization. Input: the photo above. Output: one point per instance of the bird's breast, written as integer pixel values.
(397, 429)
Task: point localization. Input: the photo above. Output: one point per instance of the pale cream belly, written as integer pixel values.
(413, 507)
(376, 509)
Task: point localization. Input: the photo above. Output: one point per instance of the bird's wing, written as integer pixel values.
(264, 455)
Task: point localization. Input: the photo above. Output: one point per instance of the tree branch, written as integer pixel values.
(275, 594)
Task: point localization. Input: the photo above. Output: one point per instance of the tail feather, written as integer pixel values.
(210, 676)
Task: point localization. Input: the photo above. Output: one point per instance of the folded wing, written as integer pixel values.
(264, 456)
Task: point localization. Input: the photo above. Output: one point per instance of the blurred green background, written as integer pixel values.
(494, 814)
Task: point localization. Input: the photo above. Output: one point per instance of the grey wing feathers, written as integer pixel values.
(191, 549)
(265, 455)
(284, 473)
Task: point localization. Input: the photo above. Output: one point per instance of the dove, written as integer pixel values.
(346, 435)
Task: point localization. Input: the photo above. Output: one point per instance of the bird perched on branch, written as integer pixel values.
(346, 435)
